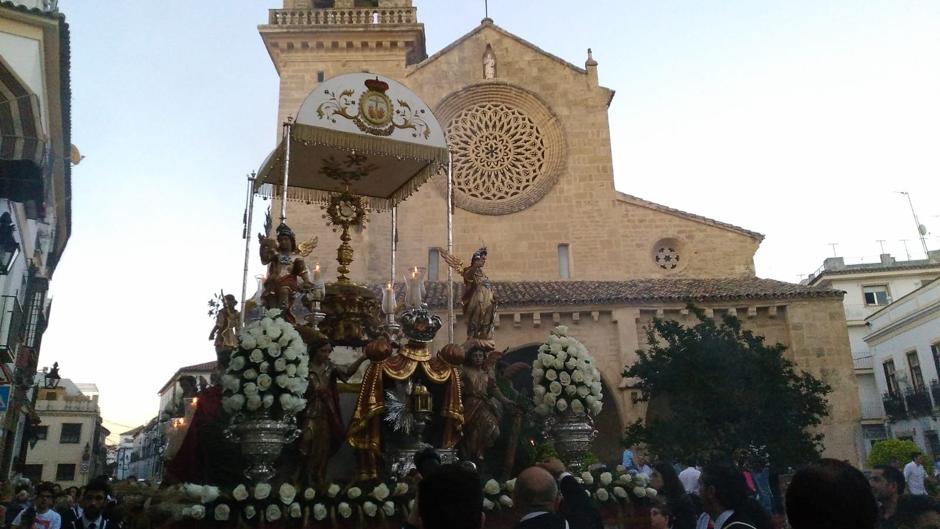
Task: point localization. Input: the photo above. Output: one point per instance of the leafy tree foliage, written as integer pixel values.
(892, 450)
(715, 388)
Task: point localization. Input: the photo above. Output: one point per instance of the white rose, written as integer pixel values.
(354, 492)
(221, 512)
(555, 388)
(639, 492)
(272, 513)
(319, 512)
(290, 353)
(559, 364)
(606, 478)
(550, 400)
(602, 495)
(248, 341)
(651, 492)
(344, 510)
(291, 370)
(596, 408)
(295, 510)
(282, 380)
(400, 488)
(192, 490)
(240, 493)
(284, 340)
(551, 374)
(310, 494)
(510, 485)
(264, 367)
(561, 356)
(561, 330)
(571, 364)
(588, 478)
(237, 363)
(280, 365)
(286, 493)
(506, 501)
(253, 403)
(250, 374)
(596, 388)
(256, 356)
(380, 492)
(537, 364)
(264, 382)
(388, 508)
(624, 478)
(250, 388)
(576, 406)
(263, 341)
(262, 491)
(538, 374)
(555, 347)
(578, 376)
(267, 401)
(571, 390)
(538, 392)
(333, 490)
(543, 348)
(584, 391)
(620, 492)
(230, 383)
(491, 487)
(487, 505)
(564, 378)
(302, 371)
(273, 350)
(249, 512)
(640, 480)
(369, 508)
(270, 314)
(542, 409)
(562, 405)
(198, 512)
(235, 403)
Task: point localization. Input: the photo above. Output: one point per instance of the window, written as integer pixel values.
(65, 472)
(71, 433)
(935, 351)
(891, 378)
(917, 376)
(564, 264)
(42, 433)
(320, 76)
(434, 259)
(33, 472)
(876, 295)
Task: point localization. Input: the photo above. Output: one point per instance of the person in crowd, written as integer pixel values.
(627, 460)
(450, 498)
(726, 501)
(666, 482)
(918, 512)
(830, 494)
(536, 497)
(40, 515)
(642, 465)
(94, 501)
(19, 502)
(887, 485)
(575, 506)
(427, 461)
(661, 515)
(914, 475)
(3, 516)
(689, 478)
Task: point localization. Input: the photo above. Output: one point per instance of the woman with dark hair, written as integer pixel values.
(665, 480)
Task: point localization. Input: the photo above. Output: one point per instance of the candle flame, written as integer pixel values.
(317, 268)
(389, 286)
(195, 400)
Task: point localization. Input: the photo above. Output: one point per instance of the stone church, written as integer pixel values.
(529, 136)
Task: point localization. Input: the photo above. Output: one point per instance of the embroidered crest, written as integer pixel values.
(373, 111)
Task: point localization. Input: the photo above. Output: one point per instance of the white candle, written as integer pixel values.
(316, 272)
(388, 299)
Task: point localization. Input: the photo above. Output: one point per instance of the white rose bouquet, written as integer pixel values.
(268, 371)
(564, 377)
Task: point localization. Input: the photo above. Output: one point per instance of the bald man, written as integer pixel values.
(537, 495)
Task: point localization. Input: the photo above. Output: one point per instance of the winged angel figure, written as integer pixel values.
(287, 273)
(478, 300)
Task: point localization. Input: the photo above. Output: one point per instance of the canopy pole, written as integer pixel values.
(450, 247)
(287, 134)
(394, 248)
(249, 209)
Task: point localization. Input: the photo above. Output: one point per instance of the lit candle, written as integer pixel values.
(316, 272)
(388, 299)
(195, 401)
(414, 289)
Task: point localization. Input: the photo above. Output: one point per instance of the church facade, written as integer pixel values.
(533, 177)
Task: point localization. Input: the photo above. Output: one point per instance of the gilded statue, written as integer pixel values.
(225, 332)
(478, 299)
(322, 429)
(483, 402)
(287, 272)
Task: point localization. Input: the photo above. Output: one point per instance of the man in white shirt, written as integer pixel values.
(689, 479)
(914, 475)
(41, 515)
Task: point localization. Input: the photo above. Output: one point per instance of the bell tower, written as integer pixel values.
(313, 40)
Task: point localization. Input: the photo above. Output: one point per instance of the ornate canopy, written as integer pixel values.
(362, 133)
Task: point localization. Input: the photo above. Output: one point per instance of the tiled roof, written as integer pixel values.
(530, 293)
(915, 264)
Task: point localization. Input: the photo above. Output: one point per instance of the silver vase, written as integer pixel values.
(261, 438)
(572, 434)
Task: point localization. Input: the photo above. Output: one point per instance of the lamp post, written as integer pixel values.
(9, 248)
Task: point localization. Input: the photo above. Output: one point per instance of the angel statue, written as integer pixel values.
(225, 332)
(287, 274)
(483, 402)
(479, 303)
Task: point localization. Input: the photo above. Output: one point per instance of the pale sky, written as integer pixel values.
(796, 119)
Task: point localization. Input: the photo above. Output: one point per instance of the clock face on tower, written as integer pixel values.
(508, 148)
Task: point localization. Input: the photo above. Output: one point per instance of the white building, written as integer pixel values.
(68, 447)
(35, 199)
(870, 287)
(904, 341)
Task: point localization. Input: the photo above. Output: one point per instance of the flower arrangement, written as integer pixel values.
(268, 371)
(564, 377)
(613, 488)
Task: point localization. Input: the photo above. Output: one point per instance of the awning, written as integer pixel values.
(22, 142)
(362, 133)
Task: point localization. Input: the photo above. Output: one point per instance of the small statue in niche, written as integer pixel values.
(489, 63)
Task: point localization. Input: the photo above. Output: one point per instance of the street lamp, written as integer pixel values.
(52, 378)
(9, 248)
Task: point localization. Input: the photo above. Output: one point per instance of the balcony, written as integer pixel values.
(872, 410)
(865, 363)
(11, 324)
(894, 407)
(918, 402)
(368, 16)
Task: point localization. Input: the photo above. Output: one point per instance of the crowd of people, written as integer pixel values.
(49, 506)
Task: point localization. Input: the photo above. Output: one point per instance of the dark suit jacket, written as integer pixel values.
(548, 520)
(738, 520)
(576, 506)
(76, 523)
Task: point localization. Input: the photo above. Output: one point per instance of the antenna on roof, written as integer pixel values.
(834, 244)
(921, 229)
(906, 251)
(881, 242)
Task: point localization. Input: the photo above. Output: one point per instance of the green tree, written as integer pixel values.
(716, 388)
(892, 450)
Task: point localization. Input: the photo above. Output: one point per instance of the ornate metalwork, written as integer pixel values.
(572, 434)
(262, 439)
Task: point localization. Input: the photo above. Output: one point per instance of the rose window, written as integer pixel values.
(667, 258)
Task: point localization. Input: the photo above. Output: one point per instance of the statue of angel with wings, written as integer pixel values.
(287, 273)
(478, 299)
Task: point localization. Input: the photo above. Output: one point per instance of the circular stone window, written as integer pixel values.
(507, 147)
(669, 255)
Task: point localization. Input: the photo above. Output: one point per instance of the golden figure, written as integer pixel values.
(287, 274)
(322, 428)
(483, 402)
(225, 332)
(478, 300)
